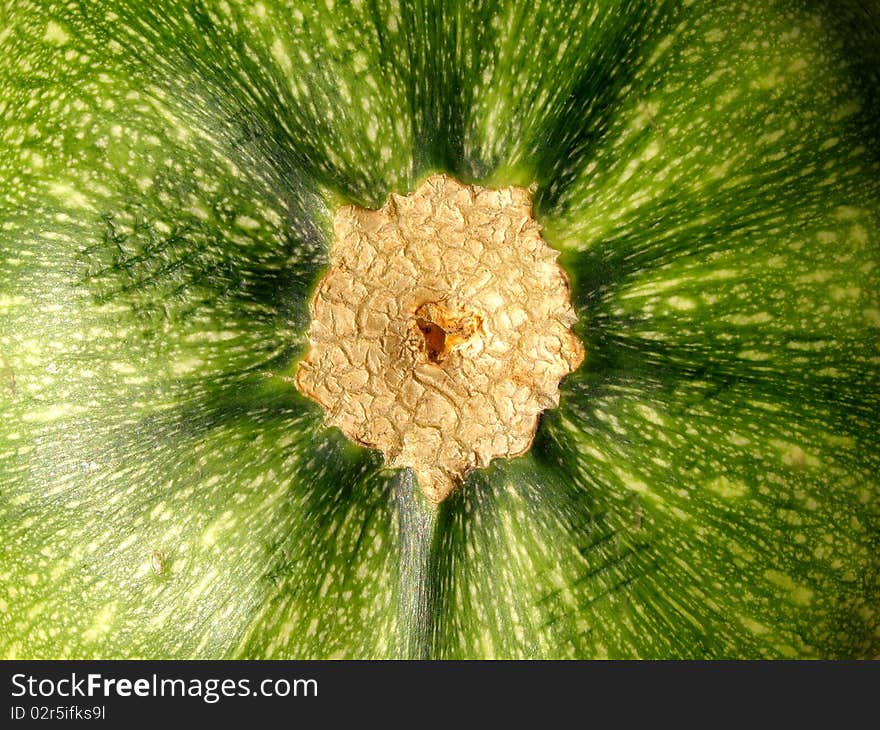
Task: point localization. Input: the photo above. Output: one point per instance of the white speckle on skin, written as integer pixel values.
(55, 33)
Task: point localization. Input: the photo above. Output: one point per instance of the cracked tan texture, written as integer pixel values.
(441, 329)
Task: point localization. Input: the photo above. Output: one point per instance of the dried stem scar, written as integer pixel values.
(441, 329)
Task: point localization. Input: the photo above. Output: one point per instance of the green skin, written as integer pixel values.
(708, 486)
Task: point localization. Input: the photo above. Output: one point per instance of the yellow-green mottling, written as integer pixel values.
(708, 485)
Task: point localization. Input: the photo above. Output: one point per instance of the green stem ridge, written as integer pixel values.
(418, 587)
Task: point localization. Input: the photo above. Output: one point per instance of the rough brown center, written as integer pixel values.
(444, 330)
(441, 329)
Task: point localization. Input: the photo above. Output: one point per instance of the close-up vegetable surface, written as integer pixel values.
(706, 483)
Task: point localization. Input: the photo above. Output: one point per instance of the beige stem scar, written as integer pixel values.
(441, 329)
